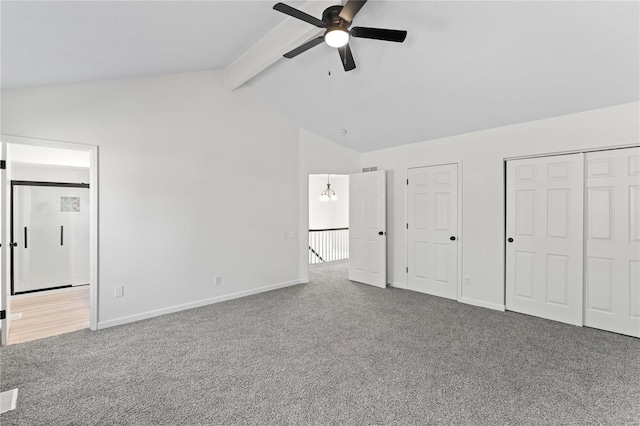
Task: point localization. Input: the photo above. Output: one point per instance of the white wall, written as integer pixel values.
(481, 156)
(195, 181)
(48, 172)
(318, 155)
(45, 155)
(332, 213)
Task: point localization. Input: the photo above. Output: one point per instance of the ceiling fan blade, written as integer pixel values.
(379, 34)
(304, 47)
(292, 11)
(346, 57)
(350, 9)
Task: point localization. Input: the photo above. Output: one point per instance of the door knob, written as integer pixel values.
(510, 239)
(380, 233)
(13, 244)
(452, 238)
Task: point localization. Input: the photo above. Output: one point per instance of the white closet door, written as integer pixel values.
(544, 248)
(432, 214)
(613, 241)
(368, 228)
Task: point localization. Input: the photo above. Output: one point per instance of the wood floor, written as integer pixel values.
(37, 315)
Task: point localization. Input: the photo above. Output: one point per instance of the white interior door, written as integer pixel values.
(544, 249)
(612, 299)
(368, 228)
(432, 214)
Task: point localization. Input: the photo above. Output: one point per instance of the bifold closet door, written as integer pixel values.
(612, 258)
(544, 247)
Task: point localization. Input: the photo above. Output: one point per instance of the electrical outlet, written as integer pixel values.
(118, 291)
(293, 234)
(218, 279)
(467, 280)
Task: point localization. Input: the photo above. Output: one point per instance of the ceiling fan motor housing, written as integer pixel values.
(337, 33)
(331, 18)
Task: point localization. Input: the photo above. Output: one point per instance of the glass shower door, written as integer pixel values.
(50, 235)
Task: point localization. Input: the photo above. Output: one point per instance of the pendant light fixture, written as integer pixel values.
(328, 194)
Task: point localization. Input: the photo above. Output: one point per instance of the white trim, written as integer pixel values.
(48, 143)
(398, 285)
(405, 228)
(575, 151)
(191, 305)
(303, 230)
(433, 163)
(503, 219)
(93, 210)
(460, 233)
(482, 304)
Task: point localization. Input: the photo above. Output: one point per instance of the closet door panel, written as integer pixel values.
(544, 231)
(612, 252)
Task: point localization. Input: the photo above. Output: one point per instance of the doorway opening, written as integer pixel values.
(328, 218)
(49, 278)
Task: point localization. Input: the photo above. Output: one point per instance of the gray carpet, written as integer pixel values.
(328, 352)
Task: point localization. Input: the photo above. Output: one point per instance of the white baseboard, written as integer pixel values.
(482, 304)
(191, 305)
(398, 285)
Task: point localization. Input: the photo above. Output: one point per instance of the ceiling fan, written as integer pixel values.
(337, 20)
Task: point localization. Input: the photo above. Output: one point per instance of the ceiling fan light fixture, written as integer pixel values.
(336, 37)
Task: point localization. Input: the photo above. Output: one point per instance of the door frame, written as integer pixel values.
(303, 215)
(459, 236)
(15, 183)
(4, 298)
(93, 218)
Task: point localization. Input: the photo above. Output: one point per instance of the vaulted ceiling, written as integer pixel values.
(465, 66)
(50, 42)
